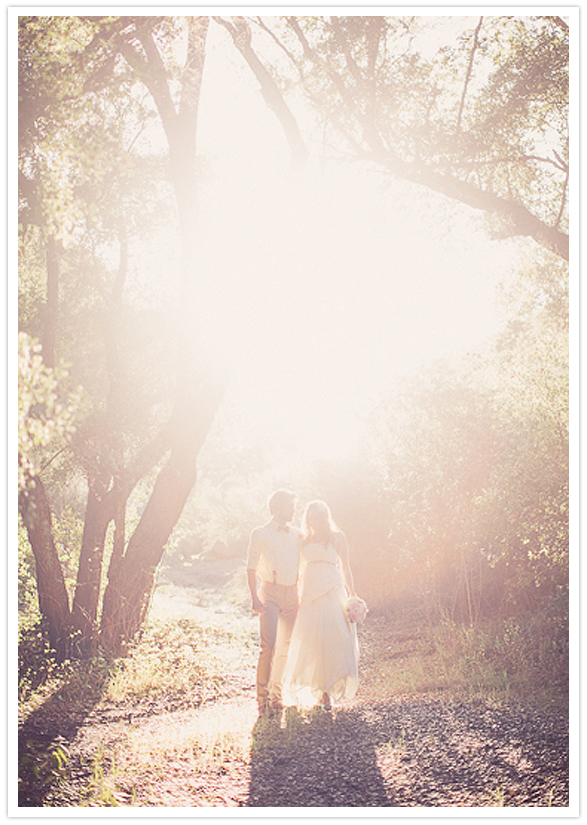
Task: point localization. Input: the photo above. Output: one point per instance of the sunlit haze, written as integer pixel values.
(321, 290)
(318, 290)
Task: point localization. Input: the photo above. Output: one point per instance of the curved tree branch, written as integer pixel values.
(520, 221)
(468, 75)
(282, 46)
(241, 36)
(150, 72)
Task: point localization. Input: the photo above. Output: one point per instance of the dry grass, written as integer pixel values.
(499, 661)
(165, 753)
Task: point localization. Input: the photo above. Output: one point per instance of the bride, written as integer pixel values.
(323, 655)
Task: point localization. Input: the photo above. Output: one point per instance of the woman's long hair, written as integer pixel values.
(318, 524)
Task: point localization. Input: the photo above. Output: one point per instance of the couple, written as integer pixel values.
(309, 649)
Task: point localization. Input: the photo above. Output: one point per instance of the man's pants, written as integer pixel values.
(280, 607)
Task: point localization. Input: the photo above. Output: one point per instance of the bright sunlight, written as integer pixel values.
(322, 291)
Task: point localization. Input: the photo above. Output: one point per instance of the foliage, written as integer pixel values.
(76, 175)
(28, 608)
(36, 659)
(46, 688)
(525, 657)
(91, 186)
(185, 674)
(529, 498)
(463, 492)
(475, 108)
(41, 768)
(47, 411)
(464, 486)
(68, 529)
(520, 658)
(182, 661)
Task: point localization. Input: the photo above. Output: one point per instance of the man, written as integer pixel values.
(273, 556)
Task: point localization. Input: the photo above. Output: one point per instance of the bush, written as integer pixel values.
(28, 605)
(527, 655)
(37, 661)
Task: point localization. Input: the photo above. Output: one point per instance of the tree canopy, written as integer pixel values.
(124, 417)
(479, 114)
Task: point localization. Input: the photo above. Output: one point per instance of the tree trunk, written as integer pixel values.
(100, 509)
(52, 304)
(53, 600)
(132, 577)
(89, 574)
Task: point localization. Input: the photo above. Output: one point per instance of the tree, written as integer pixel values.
(198, 392)
(44, 421)
(482, 120)
(470, 466)
(141, 42)
(62, 180)
(524, 517)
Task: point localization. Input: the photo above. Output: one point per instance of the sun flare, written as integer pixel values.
(315, 312)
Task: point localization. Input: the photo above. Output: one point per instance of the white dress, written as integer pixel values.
(323, 653)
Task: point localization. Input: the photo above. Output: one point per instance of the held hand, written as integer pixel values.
(257, 605)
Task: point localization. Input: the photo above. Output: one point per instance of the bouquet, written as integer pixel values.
(356, 610)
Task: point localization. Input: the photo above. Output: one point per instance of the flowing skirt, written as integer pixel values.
(323, 652)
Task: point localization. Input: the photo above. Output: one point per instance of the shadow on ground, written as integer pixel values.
(471, 753)
(412, 752)
(315, 759)
(45, 735)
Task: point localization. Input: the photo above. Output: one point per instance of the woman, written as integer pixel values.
(323, 655)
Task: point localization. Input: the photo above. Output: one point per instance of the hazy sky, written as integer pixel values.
(322, 290)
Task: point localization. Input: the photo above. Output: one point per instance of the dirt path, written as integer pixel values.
(381, 750)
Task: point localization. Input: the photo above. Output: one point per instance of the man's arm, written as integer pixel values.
(252, 582)
(253, 555)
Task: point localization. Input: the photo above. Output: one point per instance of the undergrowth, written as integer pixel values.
(519, 658)
(184, 662)
(172, 662)
(524, 659)
(176, 665)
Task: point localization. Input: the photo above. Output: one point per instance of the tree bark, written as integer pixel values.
(89, 574)
(131, 578)
(52, 303)
(35, 511)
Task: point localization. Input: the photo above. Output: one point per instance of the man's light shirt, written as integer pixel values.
(274, 552)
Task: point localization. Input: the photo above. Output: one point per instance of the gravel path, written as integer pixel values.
(412, 752)
(423, 750)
